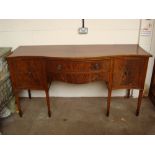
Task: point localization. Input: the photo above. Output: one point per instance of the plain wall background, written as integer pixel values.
(14, 33)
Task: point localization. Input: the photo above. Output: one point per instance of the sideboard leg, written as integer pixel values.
(18, 105)
(29, 93)
(128, 93)
(139, 101)
(109, 100)
(48, 103)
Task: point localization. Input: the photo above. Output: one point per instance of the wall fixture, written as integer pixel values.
(83, 29)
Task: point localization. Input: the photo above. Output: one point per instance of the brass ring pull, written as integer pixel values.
(59, 67)
(29, 73)
(96, 66)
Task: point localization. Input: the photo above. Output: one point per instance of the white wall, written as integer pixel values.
(27, 32)
(43, 32)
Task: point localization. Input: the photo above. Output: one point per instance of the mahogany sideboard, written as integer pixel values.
(120, 66)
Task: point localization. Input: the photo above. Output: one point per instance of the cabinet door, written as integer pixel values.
(28, 73)
(129, 72)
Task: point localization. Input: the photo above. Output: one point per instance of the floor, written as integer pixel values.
(81, 116)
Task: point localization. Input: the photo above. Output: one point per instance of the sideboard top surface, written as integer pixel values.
(80, 51)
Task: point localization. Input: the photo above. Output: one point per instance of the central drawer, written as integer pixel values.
(79, 66)
(78, 71)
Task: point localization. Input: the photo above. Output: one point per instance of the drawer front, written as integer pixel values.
(77, 66)
(28, 73)
(79, 71)
(128, 72)
(80, 78)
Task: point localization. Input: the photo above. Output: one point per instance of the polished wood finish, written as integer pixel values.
(78, 72)
(29, 73)
(152, 87)
(128, 72)
(120, 66)
(80, 51)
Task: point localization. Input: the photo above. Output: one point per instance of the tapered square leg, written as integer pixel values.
(109, 100)
(128, 93)
(48, 103)
(139, 102)
(29, 93)
(18, 105)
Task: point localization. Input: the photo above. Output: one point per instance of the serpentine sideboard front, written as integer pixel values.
(120, 66)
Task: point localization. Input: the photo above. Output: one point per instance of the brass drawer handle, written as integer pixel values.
(59, 67)
(96, 66)
(30, 73)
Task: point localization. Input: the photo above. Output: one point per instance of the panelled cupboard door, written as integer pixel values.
(128, 72)
(29, 73)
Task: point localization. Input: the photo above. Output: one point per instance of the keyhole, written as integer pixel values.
(125, 73)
